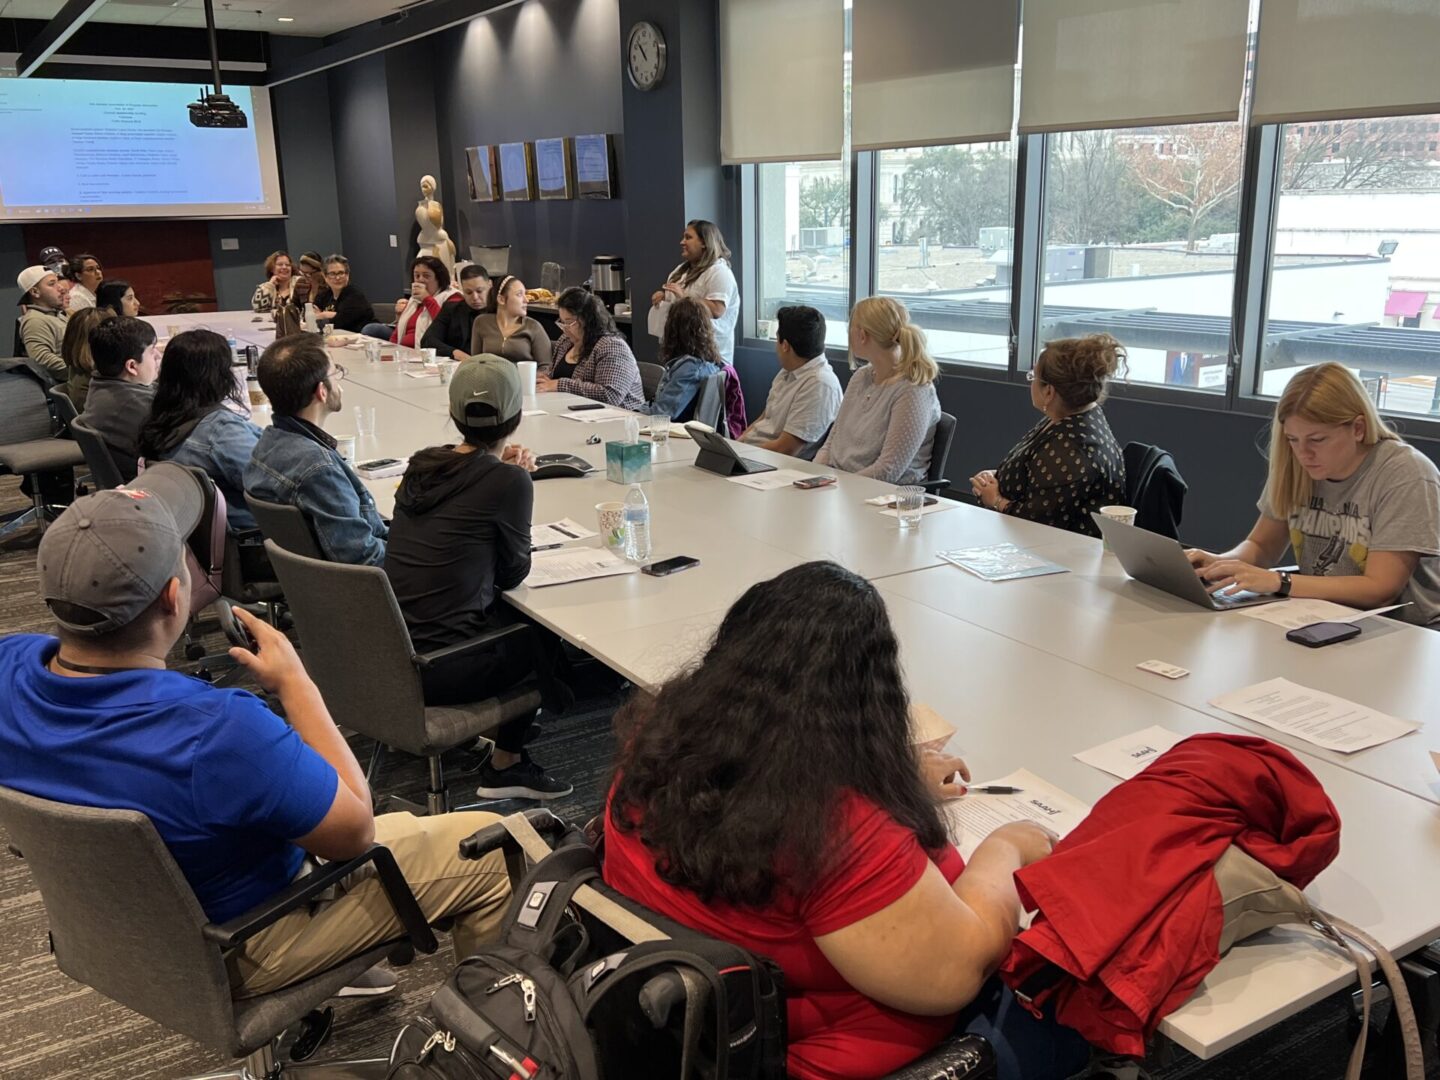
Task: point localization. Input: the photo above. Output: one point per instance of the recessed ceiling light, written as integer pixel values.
(283, 18)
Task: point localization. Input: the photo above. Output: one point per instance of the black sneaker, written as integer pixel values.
(523, 780)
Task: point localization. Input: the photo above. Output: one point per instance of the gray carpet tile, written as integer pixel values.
(52, 1028)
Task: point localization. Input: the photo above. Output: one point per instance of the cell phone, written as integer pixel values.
(815, 482)
(377, 463)
(1323, 633)
(670, 566)
(234, 629)
(582, 408)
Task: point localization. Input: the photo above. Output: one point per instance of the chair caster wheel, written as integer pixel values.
(194, 651)
(314, 1030)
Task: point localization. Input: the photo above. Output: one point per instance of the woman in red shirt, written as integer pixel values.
(771, 797)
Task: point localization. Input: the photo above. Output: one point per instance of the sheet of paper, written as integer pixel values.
(559, 532)
(1312, 715)
(1434, 757)
(971, 818)
(1001, 562)
(423, 373)
(1128, 755)
(934, 509)
(596, 416)
(769, 481)
(1295, 613)
(575, 564)
(533, 412)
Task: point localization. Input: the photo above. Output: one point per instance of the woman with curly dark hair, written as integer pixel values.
(771, 797)
(591, 358)
(191, 423)
(687, 349)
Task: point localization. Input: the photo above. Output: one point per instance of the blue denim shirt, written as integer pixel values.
(296, 470)
(221, 444)
(680, 386)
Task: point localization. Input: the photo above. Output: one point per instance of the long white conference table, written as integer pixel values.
(1030, 672)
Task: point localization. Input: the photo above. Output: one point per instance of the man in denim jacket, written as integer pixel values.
(297, 464)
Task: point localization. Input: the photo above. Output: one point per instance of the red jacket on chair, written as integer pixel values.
(1129, 911)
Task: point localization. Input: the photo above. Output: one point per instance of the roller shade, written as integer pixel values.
(1343, 59)
(782, 72)
(932, 72)
(1131, 63)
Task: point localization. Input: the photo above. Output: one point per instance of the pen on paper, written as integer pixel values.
(994, 789)
(547, 547)
(565, 532)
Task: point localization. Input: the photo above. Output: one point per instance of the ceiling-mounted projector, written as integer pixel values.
(216, 111)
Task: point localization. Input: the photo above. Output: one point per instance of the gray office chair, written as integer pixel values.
(369, 675)
(935, 481)
(105, 471)
(28, 446)
(384, 312)
(62, 406)
(124, 921)
(808, 453)
(710, 402)
(287, 526)
(650, 376)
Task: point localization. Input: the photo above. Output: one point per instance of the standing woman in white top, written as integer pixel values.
(705, 275)
(886, 424)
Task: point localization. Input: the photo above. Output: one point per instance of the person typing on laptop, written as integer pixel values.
(1360, 508)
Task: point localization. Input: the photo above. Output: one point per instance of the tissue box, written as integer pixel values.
(627, 463)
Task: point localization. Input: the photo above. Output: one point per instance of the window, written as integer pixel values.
(943, 243)
(1355, 270)
(804, 243)
(1141, 231)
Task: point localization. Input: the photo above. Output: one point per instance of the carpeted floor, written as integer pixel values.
(54, 1029)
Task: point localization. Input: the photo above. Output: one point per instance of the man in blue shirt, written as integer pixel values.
(296, 463)
(238, 795)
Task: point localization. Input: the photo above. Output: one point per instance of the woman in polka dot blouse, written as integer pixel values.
(1069, 463)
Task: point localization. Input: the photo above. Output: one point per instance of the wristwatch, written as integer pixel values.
(1284, 589)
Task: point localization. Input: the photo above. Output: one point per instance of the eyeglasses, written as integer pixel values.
(337, 374)
(337, 273)
(565, 323)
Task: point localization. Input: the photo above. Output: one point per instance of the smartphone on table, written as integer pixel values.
(670, 566)
(814, 482)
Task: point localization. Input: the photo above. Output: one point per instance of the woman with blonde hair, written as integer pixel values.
(886, 424)
(705, 275)
(75, 348)
(1068, 464)
(1359, 507)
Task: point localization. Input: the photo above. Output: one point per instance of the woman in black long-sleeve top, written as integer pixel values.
(1069, 464)
(342, 302)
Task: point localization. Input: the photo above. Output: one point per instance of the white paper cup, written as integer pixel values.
(1121, 515)
(527, 369)
(446, 369)
(610, 520)
(429, 356)
(346, 445)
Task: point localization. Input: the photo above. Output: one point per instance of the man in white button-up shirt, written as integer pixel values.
(805, 394)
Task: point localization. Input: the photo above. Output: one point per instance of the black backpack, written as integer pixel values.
(585, 984)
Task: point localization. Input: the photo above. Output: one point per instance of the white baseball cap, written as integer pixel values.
(31, 276)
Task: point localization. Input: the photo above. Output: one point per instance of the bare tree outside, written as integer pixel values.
(1194, 169)
(1354, 155)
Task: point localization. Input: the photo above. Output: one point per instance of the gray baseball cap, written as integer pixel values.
(485, 393)
(110, 554)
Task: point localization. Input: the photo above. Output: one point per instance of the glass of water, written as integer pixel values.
(909, 505)
(372, 350)
(364, 420)
(660, 428)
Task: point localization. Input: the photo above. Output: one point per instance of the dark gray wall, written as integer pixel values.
(540, 70)
(364, 175)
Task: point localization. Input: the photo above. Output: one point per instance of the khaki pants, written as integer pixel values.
(313, 939)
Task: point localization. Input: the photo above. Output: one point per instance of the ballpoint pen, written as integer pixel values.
(546, 547)
(994, 789)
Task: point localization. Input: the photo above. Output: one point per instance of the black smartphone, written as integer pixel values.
(234, 629)
(814, 482)
(582, 408)
(377, 463)
(670, 566)
(1323, 633)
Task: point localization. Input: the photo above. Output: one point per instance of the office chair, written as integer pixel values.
(105, 471)
(1155, 488)
(124, 921)
(370, 675)
(288, 526)
(28, 446)
(710, 403)
(62, 406)
(650, 376)
(935, 481)
(384, 313)
(808, 453)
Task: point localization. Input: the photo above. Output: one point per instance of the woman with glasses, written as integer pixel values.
(87, 274)
(297, 463)
(591, 358)
(1068, 464)
(339, 302)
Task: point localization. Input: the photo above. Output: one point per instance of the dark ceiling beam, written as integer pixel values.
(415, 22)
(57, 31)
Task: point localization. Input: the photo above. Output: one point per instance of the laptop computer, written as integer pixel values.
(1160, 562)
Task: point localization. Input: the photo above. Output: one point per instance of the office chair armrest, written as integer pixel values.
(483, 841)
(935, 487)
(467, 650)
(237, 931)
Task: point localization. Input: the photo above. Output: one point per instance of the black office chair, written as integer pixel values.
(808, 453)
(124, 921)
(287, 526)
(650, 376)
(935, 481)
(62, 406)
(1154, 488)
(28, 446)
(105, 471)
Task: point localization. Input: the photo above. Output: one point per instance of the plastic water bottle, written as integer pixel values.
(637, 525)
(310, 326)
(235, 356)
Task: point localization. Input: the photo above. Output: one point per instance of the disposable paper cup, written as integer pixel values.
(1121, 515)
(429, 355)
(527, 369)
(610, 520)
(446, 369)
(346, 445)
